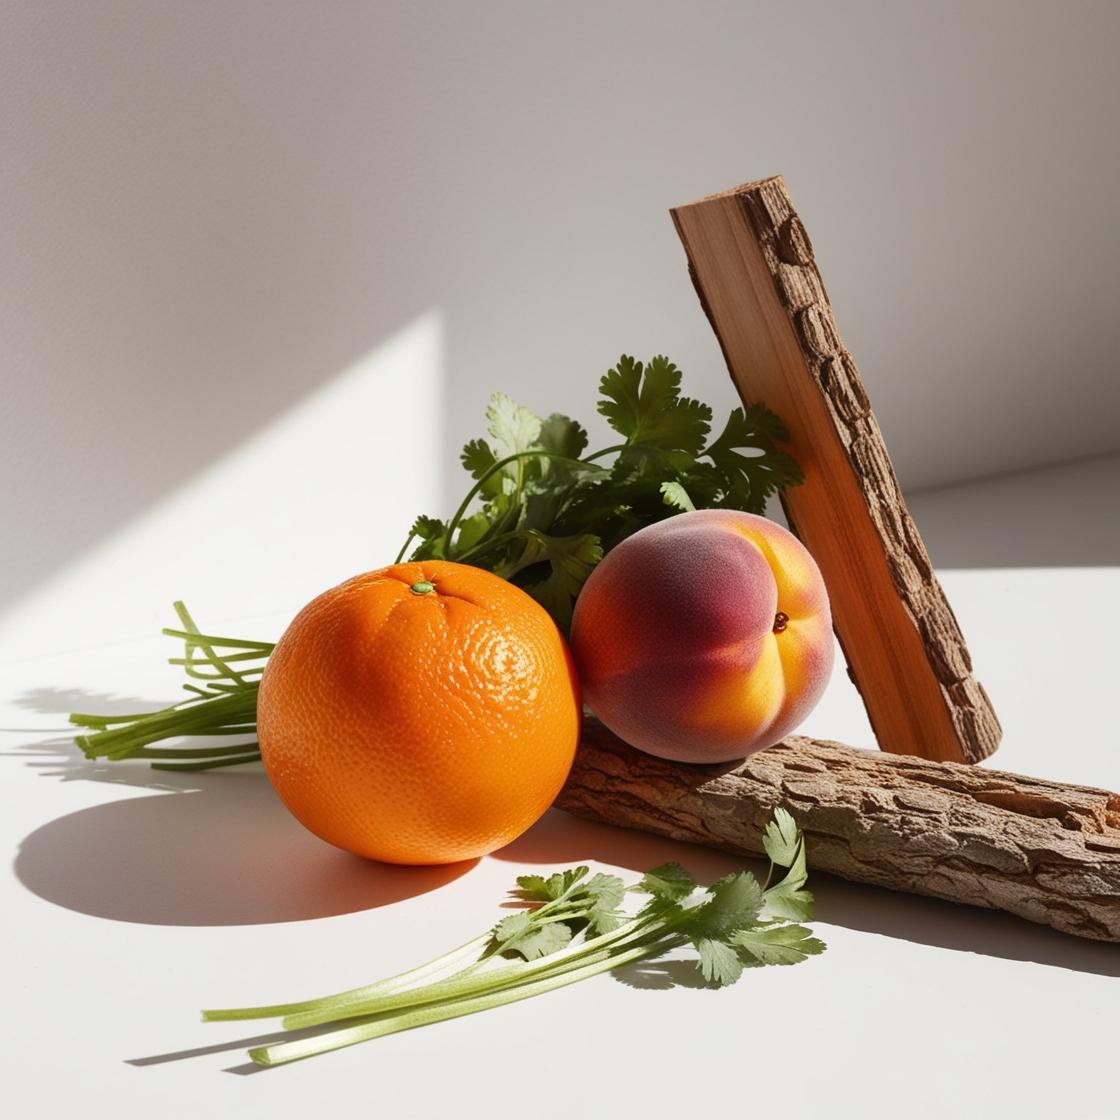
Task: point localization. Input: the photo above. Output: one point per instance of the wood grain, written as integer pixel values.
(1043, 850)
(754, 270)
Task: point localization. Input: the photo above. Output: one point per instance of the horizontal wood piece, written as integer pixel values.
(1042, 850)
(754, 270)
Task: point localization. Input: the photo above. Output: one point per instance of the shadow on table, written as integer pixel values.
(228, 1045)
(560, 839)
(208, 848)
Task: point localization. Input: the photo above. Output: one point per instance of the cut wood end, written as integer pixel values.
(743, 188)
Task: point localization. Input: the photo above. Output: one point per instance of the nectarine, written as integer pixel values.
(705, 637)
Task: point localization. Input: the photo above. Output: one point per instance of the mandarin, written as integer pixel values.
(424, 713)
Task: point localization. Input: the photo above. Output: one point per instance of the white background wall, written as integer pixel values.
(213, 213)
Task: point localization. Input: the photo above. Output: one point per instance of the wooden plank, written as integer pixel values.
(753, 268)
(1046, 851)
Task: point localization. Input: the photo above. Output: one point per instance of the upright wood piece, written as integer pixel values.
(753, 268)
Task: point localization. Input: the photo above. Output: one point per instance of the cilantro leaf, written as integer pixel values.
(471, 530)
(781, 838)
(607, 890)
(430, 531)
(570, 561)
(748, 479)
(670, 880)
(512, 426)
(733, 903)
(778, 944)
(537, 889)
(513, 926)
(719, 962)
(478, 458)
(606, 893)
(564, 436)
(788, 900)
(674, 494)
(643, 403)
(543, 940)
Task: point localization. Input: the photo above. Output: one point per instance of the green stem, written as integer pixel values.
(208, 764)
(404, 548)
(467, 982)
(449, 534)
(605, 451)
(379, 1026)
(368, 991)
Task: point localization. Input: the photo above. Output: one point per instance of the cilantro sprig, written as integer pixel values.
(542, 512)
(574, 926)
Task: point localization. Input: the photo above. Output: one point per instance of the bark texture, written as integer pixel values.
(753, 267)
(1043, 850)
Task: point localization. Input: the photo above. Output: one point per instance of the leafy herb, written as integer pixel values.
(541, 513)
(547, 512)
(574, 928)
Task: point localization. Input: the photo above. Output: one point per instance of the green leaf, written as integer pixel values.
(670, 880)
(543, 940)
(733, 903)
(537, 889)
(426, 527)
(607, 892)
(513, 926)
(431, 532)
(512, 427)
(563, 436)
(778, 944)
(478, 458)
(751, 466)
(471, 530)
(789, 900)
(719, 962)
(570, 560)
(643, 403)
(781, 838)
(674, 494)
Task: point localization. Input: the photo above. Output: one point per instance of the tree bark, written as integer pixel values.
(757, 279)
(1043, 850)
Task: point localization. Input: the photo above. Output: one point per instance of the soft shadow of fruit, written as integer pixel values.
(229, 854)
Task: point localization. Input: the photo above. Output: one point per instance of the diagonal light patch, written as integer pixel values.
(324, 492)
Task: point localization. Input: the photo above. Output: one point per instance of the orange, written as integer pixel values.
(424, 713)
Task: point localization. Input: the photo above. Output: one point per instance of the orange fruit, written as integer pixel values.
(424, 713)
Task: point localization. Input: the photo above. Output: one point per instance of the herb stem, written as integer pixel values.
(368, 991)
(379, 1026)
(534, 453)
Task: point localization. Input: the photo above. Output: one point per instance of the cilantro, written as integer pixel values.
(670, 880)
(572, 929)
(777, 944)
(540, 512)
(545, 513)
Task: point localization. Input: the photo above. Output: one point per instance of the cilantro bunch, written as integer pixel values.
(545, 512)
(574, 927)
(541, 513)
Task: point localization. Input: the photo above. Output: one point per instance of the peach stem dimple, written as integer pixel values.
(780, 621)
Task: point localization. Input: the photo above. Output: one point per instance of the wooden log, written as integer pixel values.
(753, 268)
(1043, 850)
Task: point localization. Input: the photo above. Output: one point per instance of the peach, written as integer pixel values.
(704, 637)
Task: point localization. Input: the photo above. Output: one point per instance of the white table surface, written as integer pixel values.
(135, 898)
